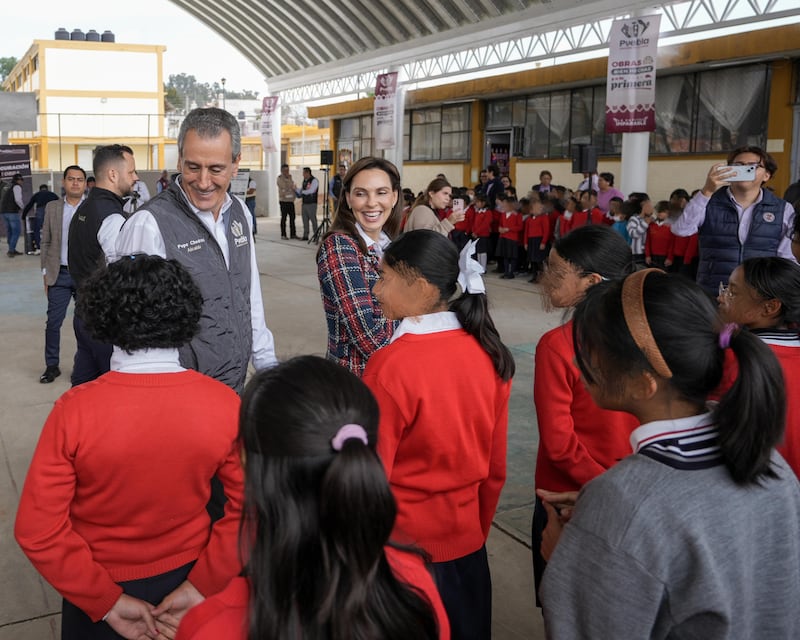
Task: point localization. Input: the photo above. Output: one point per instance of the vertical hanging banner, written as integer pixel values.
(268, 106)
(631, 82)
(385, 92)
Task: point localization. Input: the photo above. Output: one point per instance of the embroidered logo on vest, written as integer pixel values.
(239, 237)
(768, 216)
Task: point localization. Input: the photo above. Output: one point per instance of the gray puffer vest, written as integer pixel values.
(224, 343)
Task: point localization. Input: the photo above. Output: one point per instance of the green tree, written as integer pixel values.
(6, 65)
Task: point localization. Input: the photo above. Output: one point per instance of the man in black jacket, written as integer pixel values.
(92, 238)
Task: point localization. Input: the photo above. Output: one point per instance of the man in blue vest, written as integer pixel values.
(198, 223)
(738, 219)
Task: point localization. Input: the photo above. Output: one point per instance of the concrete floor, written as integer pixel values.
(30, 608)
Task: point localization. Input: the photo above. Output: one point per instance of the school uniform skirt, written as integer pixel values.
(506, 248)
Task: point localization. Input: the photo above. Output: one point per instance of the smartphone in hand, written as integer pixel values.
(743, 173)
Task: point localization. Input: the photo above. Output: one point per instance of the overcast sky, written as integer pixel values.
(192, 47)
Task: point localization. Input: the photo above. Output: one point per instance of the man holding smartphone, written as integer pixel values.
(736, 218)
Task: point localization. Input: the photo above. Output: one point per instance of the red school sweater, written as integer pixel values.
(685, 247)
(444, 450)
(538, 227)
(119, 482)
(577, 439)
(482, 223)
(513, 222)
(225, 616)
(659, 240)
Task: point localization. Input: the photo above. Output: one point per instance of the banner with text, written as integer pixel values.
(385, 108)
(631, 83)
(268, 107)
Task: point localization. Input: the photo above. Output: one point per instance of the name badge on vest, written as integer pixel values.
(192, 245)
(768, 216)
(239, 236)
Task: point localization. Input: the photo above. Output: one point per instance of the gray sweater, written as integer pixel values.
(655, 551)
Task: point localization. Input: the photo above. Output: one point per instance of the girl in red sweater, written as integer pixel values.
(577, 439)
(444, 450)
(658, 247)
(113, 512)
(510, 229)
(537, 235)
(763, 295)
(317, 517)
(482, 218)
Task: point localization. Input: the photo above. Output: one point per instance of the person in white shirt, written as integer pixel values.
(196, 222)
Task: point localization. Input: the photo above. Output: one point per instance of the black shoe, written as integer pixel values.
(294, 237)
(509, 276)
(50, 374)
(304, 239)
(533, 279)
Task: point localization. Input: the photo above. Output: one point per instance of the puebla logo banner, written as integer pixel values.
(631, 81)
(268, 106)
(385, 107)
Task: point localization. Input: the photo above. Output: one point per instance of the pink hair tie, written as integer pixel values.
(725, 335)
(346, 432)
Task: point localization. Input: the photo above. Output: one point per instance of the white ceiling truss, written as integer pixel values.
(527, 46)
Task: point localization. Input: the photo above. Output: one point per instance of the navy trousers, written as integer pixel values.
(58, 297)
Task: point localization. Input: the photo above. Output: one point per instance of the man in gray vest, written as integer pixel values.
(196, 222)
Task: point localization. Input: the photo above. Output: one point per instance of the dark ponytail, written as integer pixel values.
(435, 258)
(316, 520)
(752, 415)
(472, 311)
(685, 326)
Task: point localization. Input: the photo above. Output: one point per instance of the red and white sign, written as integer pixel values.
(385, 110)
(631, 82)
(268, 107)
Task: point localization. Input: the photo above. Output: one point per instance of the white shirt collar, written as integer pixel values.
(428, 323)
(650, 431)
(146, 361)
(380, 244)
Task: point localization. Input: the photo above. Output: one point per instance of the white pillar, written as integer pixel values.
(635, 155)
(635, 151)
(272, 165)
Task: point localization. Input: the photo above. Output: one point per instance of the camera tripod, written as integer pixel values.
(323, 227)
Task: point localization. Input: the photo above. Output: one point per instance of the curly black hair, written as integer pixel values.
(141, 302)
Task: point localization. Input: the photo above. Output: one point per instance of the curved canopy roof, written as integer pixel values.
(303, 41)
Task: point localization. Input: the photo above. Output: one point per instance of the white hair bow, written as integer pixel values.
(470, 270)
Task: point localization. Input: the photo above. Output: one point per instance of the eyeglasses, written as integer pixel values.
(748, 164)
(725, 291)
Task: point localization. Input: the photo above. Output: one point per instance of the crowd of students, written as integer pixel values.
(365, 485)
(516, 233)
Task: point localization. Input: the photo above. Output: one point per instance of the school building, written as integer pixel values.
(712, 95)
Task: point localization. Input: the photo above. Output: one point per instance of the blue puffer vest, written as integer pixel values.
(720, 249)
(223, 345)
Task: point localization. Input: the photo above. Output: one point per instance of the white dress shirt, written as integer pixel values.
(142, 235)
